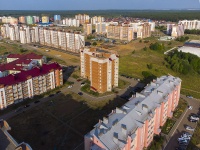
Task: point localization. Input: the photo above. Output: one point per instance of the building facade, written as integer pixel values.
(133, 126)
(83, 18)
(87, 28)
(190, 24)
(101, 68)
(26, 84)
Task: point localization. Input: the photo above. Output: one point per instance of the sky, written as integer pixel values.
(97, 4)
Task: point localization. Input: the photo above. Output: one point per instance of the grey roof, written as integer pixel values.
(114, 130)
(5, 143)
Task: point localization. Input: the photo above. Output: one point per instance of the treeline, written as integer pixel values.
(187, 31)
(167, 15)
(183, 63)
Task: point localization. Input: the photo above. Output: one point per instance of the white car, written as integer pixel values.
(183, 138)
(190, 107)
(194, 118)
(189, 128)
(69, 87)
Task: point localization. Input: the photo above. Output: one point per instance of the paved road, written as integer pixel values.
(179, 127)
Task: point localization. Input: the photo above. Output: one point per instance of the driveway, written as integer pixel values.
(179, 127)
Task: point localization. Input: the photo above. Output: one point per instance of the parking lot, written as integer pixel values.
(180, 126)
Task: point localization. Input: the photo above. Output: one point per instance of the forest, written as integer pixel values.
(167, 15)
(184, 63)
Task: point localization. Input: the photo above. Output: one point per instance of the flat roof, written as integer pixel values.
(192, 50)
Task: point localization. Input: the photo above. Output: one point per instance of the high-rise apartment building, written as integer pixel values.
(190, 24)
(45, 19)
(29, 20)
(71, 22)
(87, 28)
(83, 18)
(144, 30)
(100, 28)
(97, 19)
(9, 20)
(22, 19)
(133, 126)
(175, 30)
(101, 68)
(22, 34)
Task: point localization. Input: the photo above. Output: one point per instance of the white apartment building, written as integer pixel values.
(71, 22)
(97, 19)
(190, 24)
(100, 28)
(22, 34)
(16, 32)
(12, 33)
(54, 38)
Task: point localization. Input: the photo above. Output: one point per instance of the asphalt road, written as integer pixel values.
(179, 127)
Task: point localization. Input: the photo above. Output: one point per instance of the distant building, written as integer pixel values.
(190, 24)
(28, 83)
(97, 19)
(29, 20)
(175, 30)
(45, 19)
(101, 68)
(83, 18)
(57, 19)
(22, 19)
(71, 22)
(101, 28)
(9, 20)
(87, 28)
(133, 126)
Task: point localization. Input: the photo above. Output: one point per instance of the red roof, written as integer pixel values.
(26, 56)
(22, 76)
(20, 62)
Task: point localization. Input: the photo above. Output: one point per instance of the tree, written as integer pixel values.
(94, 43)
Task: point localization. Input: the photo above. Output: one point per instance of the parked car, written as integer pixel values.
(51, 95)
(183, 138)
(183, 142)
(25, 106)
(37, 101)
(194, 117)
(82, 84)
(192, 120)
(70, 86)
(190, 107)
(80, 93)
(189, 128)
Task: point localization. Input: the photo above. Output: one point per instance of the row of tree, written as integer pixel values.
(184, 63)
(192, 31)
(182, 38)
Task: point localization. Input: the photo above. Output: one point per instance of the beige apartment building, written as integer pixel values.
(101, 68)
(97, 19)
(144, 30)
(87, 28)
(83, 18)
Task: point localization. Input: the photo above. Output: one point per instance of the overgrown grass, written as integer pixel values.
(156, 143)
(180, 109)
(122, 84)
(168, 126)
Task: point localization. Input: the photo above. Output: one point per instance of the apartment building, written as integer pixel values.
(97, 19)
(133, 126)
(71, 22)
(101, 28)
(9, 20)
(101, 68)
(22, 34)
(29, 20)
(16, 63)
(83, 18)
(22, 19)
(144, 30)
(120, 32)
(175, 30)
(45, 19)
(87, 28)
(190, 24)
(28, 83)
(54, 38)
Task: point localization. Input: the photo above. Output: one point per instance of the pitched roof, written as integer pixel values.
(114, 130)
(22, 76)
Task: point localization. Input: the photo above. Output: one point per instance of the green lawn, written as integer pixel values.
(135, 64)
